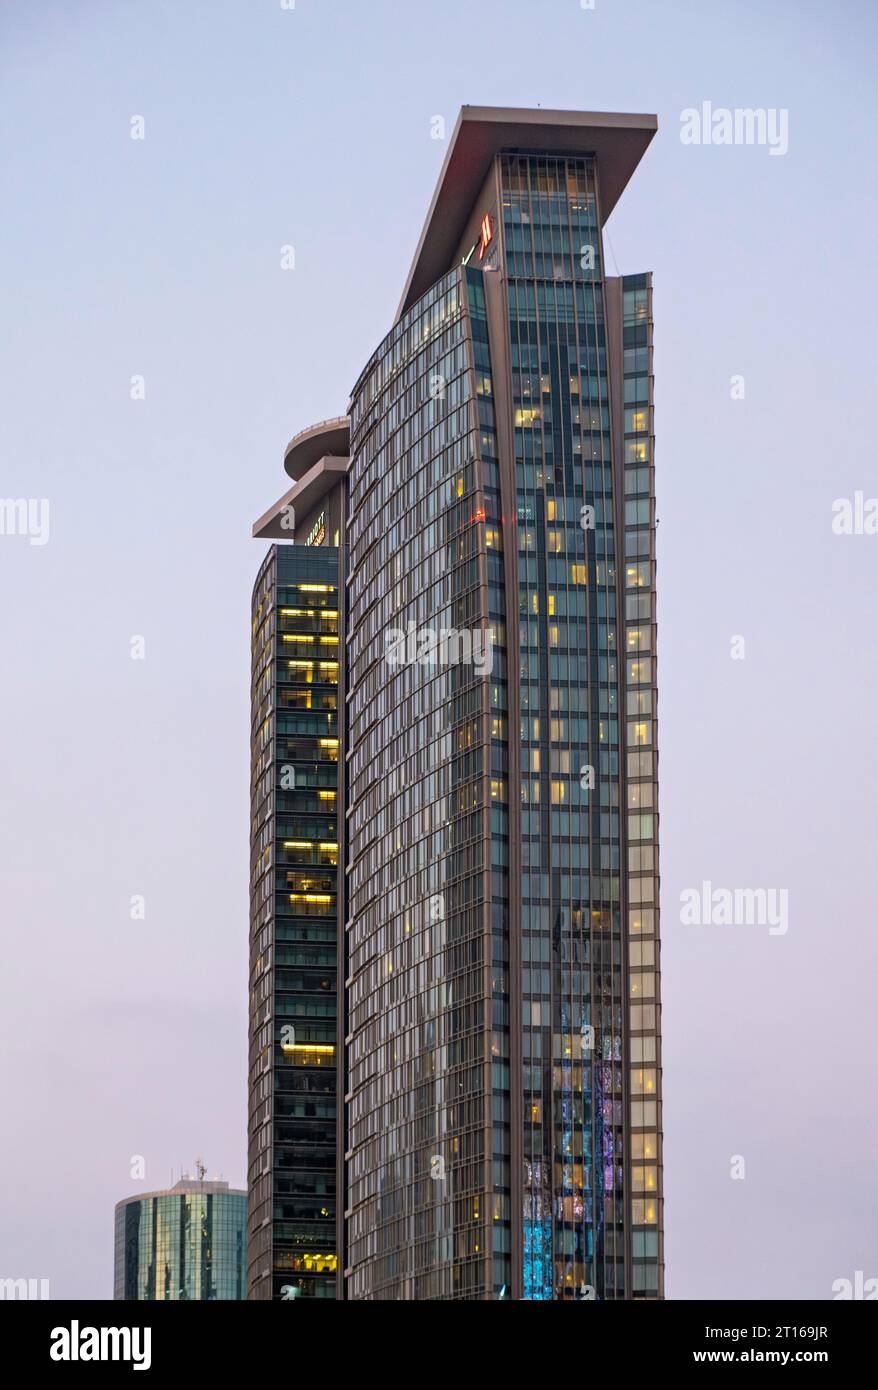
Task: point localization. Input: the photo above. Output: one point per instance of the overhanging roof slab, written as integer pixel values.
(616, 139)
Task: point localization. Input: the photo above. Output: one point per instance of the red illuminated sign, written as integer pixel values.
(487, 235)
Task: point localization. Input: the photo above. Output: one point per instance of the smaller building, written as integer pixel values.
(188, 1242)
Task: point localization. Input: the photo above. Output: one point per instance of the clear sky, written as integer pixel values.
(161, 258)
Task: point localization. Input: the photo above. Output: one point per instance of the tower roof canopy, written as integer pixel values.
(617, 140)
(304, 496)
(309, 445)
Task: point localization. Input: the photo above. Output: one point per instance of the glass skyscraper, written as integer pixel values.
(296, 879)
(188, 1242)
(294, 924)
(500, 1132)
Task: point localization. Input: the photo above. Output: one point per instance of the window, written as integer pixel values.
(636, 480)
(637, 576)
(636, 389)
(638, 606)
(644, 1146)
(637, 512)
(639, 672)
(634, 307)
(639, 794)
(638, 702)
(641, 859)
(639, 764)
(643, 1213)
(642, 890)
(641, 919)
(644, 1179)
(636, 359)
(642, 984)
(643, 1114)
(641, 953)
(636, 544)
(636, 421)
(642, 1020)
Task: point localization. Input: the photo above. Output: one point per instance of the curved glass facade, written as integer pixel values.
(504, 1126)
(187, 1243)
(419, 1010)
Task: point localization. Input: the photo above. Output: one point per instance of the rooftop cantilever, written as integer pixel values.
(617, 140)
(315, 457)
(313, 443)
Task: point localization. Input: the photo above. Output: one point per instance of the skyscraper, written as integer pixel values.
(296, 888)
(501, 1129)
(187, 1242)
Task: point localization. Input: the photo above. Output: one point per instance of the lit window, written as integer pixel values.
(643, 1212)
(641, 919)
(639, 794)
(640, 672)
(644, 1179)
(643, 1081)
(642, 984)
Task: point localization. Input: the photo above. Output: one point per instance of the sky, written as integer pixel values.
(155, 360)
